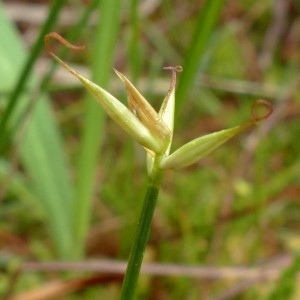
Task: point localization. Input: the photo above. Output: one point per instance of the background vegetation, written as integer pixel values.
(71, 182)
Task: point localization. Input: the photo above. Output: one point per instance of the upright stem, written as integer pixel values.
(24, 75)
(141, 238)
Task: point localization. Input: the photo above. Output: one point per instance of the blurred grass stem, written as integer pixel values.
(103, 56)
(24, 75)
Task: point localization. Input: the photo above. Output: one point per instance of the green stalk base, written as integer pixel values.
(140, 242)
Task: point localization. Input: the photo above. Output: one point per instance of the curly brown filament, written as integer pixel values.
(261, 103)
(174, 70)
(56, 36)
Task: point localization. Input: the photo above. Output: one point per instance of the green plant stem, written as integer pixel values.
(207, 19)
(24, 76)
(141, 238)
(106, 38)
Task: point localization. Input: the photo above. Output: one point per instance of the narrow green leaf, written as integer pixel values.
(134, 52)
(26, 71)
(93, 131)
(41, 151)
(207, 19)
(42, 156)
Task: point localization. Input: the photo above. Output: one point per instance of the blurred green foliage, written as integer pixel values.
(239, 206)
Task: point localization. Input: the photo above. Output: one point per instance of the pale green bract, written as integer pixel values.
(198, 148)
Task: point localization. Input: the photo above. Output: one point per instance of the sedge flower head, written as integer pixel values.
(154, 130)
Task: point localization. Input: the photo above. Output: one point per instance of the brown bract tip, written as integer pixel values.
(174, 70)
(261, 110)
(56, 36)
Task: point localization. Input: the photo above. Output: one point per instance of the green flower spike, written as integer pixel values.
(154, 131)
